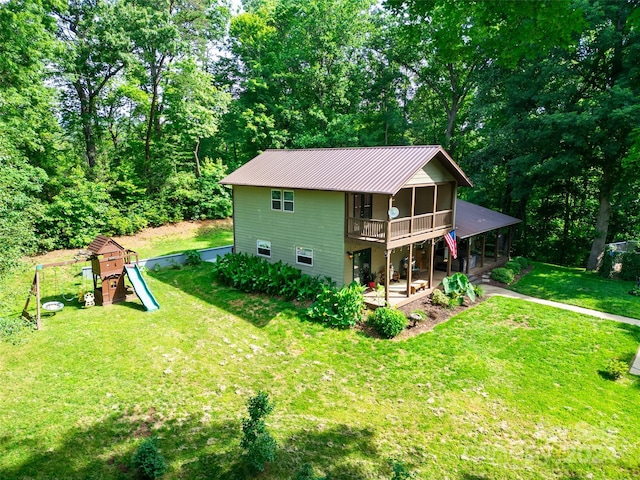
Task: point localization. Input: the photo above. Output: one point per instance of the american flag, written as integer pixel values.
(450, 238)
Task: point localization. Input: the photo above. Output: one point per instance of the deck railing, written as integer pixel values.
(406, 227)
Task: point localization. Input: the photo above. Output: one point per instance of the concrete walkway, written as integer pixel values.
(491, 290)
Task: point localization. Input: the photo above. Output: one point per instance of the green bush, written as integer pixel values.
(523, 261)
(457, 286)
(388, 322)
(340, 308)
(513, 266)
(258, 444)
(148, 461)
(438, 297)
(606, 264)
(400, 471)
(306, 473)
(478, 290)
(635, 291)
(252, 274)
(614, 369)
(630, 266)
(13, 329)
(502, 275)
(193, 257)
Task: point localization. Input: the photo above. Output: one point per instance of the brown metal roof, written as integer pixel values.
(382, 170)
(102, 245)
(473, 219)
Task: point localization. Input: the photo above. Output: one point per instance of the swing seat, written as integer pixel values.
(53, 306)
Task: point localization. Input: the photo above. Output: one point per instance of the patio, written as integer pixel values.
(398, 289)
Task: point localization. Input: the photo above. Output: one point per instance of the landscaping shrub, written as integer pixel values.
(340, 308)
(306, 473)
(513, 266)
(258, 444)
(635, 291)
(439, 298)
(388, 322)
(616, 368)
(523, 261)
(478, 290)
(252, 274)
(502, 275)
(193, 257)
(13, 329)
(148, 461)
(606, 264)
(457, 286)
(400, 471)
(630, 266)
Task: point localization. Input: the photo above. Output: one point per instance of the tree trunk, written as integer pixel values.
(602, 226)
(86, 117)
(195, 154)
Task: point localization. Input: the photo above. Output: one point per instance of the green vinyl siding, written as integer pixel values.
(316, 223)
(432, 172)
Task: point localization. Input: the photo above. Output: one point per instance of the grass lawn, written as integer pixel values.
(180, 238)
(153, 242)
(576, 286)
(505, 390)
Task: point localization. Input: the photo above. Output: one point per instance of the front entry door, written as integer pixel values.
(362, 266)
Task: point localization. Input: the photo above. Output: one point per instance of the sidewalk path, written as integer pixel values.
(491, 290)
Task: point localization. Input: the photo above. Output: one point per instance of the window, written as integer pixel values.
(304, 256)
(362, 205)
(276, 199)
(264, 248)
(282, 200)
(288, 200)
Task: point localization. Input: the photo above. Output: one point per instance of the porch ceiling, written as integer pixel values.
(474, 220)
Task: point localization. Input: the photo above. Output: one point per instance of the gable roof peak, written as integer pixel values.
(384, 169)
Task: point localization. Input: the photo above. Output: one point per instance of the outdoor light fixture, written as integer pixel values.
(350, 254)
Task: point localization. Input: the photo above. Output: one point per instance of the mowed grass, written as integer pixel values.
(66, 280)
(505, 390)
(216, 234)
(576, 286)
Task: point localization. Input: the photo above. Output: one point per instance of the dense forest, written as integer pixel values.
(121, 114)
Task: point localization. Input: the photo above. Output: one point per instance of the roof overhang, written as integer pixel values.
(473, 219)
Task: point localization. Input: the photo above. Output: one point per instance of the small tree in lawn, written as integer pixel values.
(257, 442)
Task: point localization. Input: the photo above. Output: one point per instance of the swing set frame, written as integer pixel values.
(35, 289)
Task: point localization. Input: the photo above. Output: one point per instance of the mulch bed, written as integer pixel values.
(436, 314)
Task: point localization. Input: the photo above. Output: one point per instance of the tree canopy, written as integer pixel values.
(118, 114)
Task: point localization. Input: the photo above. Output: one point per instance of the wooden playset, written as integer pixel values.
(110, 262)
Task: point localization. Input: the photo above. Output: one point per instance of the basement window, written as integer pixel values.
(304, 256)
(264, 248)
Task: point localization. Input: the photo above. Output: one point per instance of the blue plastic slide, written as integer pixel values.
(141, 288)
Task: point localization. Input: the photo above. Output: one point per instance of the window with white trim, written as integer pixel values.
(276, 199)
(264, 248)
(304, 256)
(282, 200)
(287, 196)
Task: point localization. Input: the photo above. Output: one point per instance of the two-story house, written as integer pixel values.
(374, 214)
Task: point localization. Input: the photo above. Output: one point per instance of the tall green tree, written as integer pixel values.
(28, 132)
(446, 45)
(164, 32)
(299, 72)
(95, 48)
(558, 134)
